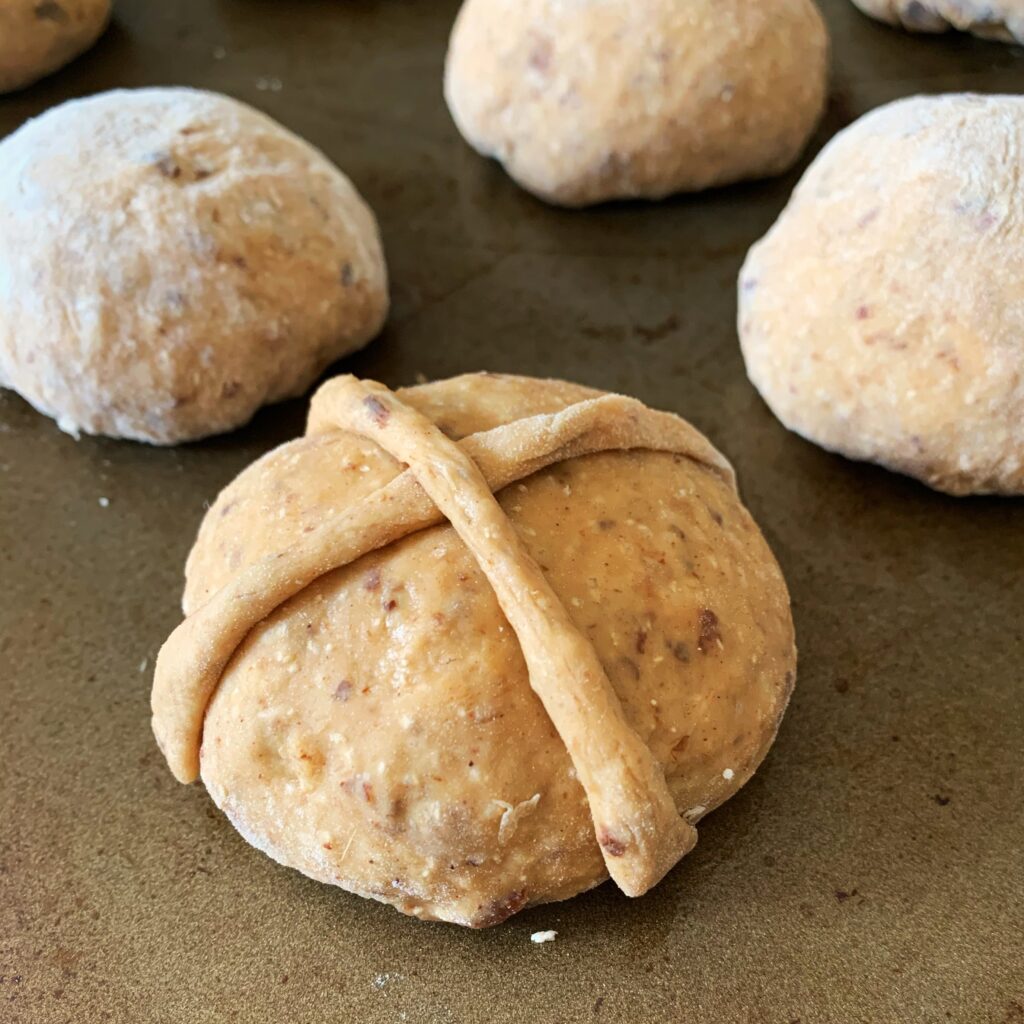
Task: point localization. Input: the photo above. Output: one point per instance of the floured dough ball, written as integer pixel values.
(591, 100)
(171, 260)
(39, 36)
(990, 19)
(468, 711)
(883, 314)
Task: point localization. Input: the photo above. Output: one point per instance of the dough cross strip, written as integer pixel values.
(638, 827)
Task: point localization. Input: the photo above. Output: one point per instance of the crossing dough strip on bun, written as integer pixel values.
(638, 827)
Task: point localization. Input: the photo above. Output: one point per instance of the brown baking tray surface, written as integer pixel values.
(873, 870)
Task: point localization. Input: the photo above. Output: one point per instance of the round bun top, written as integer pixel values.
(610, 99)
(990, 19)
(39, 36)
(883, 314)
(171, 260)
(463, 704)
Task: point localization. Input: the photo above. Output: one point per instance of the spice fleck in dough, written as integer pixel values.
(990, 19)
(171, 260)
(460, 720)
(39, 36)
(612, 99)
(883, 314)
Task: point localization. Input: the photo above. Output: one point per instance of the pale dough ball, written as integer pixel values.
(990, 19)
(378, 731)
(883, 314)
(171, 260)
(590, 100)
(40, 36)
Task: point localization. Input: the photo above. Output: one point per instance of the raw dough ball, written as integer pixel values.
(589, 100)
(171, 260)
(378, 730)
(39, 36)
(990, 19)
(883, 314)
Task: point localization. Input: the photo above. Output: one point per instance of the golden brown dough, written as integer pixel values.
(365, 708)
(882, 316)
(171, 260)
(37, 37)
(613, 99)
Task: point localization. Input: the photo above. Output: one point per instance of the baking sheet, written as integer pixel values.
(872, 871)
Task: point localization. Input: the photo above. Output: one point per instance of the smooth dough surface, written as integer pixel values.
(590, 100)
(171, 260)
(883, 314)
(990, 19)
(379, 732)
(39, 36)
